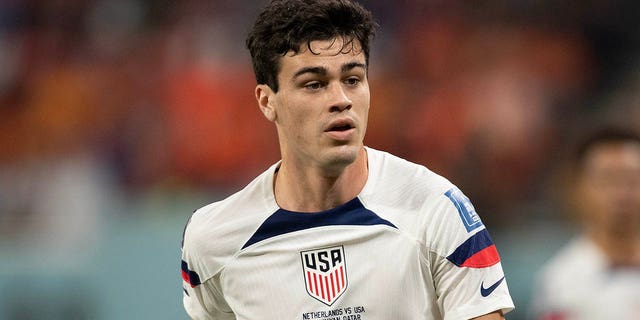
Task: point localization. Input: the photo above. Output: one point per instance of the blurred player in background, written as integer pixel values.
(597, 276)
(335, 230)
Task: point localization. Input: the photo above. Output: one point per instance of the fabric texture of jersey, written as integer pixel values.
(410, 246)
(579, 283)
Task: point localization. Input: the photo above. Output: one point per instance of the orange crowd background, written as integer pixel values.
(162, 91)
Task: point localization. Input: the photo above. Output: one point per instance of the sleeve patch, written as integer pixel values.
(467, 212)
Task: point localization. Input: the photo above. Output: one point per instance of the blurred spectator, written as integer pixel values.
(484, 101)
(159, 91)
(54, 187)
(215, 133)
(597, 275)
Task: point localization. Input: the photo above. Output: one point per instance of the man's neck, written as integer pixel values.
(311, 189)
(620, 251)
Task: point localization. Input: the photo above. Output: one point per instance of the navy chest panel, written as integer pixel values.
(283, 221)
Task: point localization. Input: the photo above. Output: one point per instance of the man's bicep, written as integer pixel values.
(195, 302)
(496, 315)
(467, 273)
(202, 293)
(465, 292)
(203, 302)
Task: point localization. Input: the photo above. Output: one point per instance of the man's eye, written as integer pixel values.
(313, 85)
(352, 81)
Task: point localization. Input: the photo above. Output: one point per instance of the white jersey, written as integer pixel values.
(579, 283)
(409, 246)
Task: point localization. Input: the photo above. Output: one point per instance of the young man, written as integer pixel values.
(597, 275)
(335, 230)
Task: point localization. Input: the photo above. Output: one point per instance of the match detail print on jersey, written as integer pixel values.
(325, 273)
(467, 212)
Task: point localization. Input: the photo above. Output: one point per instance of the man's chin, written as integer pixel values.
(342, 156)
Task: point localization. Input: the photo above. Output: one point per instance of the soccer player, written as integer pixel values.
(335, 230)
(597, 275)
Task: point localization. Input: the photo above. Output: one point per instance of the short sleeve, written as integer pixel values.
(204, 302)
(467, 273)
(202, 297)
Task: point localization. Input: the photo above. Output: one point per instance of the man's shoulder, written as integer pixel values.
(395, 174)
(574, 271)
(577, 259)
(218, 230)
(256, 196)
(410, 190)
(422, 201)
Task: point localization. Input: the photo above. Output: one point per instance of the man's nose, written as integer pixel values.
(339, 99)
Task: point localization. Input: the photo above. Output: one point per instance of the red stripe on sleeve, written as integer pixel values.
(185, 277)
(483, 258)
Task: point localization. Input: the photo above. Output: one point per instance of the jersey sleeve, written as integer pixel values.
(204, 302)
(202, 298)
(467, 273)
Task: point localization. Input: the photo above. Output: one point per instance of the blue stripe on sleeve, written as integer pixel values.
(194, 279)
(473, 245)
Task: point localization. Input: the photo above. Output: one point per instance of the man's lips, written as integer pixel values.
(340, 125)
(341, 129)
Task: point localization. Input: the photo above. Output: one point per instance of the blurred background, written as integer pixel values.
(118, 118)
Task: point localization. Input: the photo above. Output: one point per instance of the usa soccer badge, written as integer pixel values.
(325, 273)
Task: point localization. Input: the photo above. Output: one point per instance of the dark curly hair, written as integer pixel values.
(606, 135)
(285, 25)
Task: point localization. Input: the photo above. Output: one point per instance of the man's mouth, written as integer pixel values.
(341, 125)
(341, 130)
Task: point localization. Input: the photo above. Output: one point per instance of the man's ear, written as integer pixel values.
(265, 97)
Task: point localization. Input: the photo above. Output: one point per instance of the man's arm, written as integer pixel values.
(496, 315)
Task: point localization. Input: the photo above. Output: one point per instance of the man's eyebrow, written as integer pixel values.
(352, 65)
(323, 71)
(314, 70)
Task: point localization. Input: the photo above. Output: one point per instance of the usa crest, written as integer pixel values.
(325, 273)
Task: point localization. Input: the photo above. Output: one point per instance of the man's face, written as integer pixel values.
(322, 105)
(610, 187)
